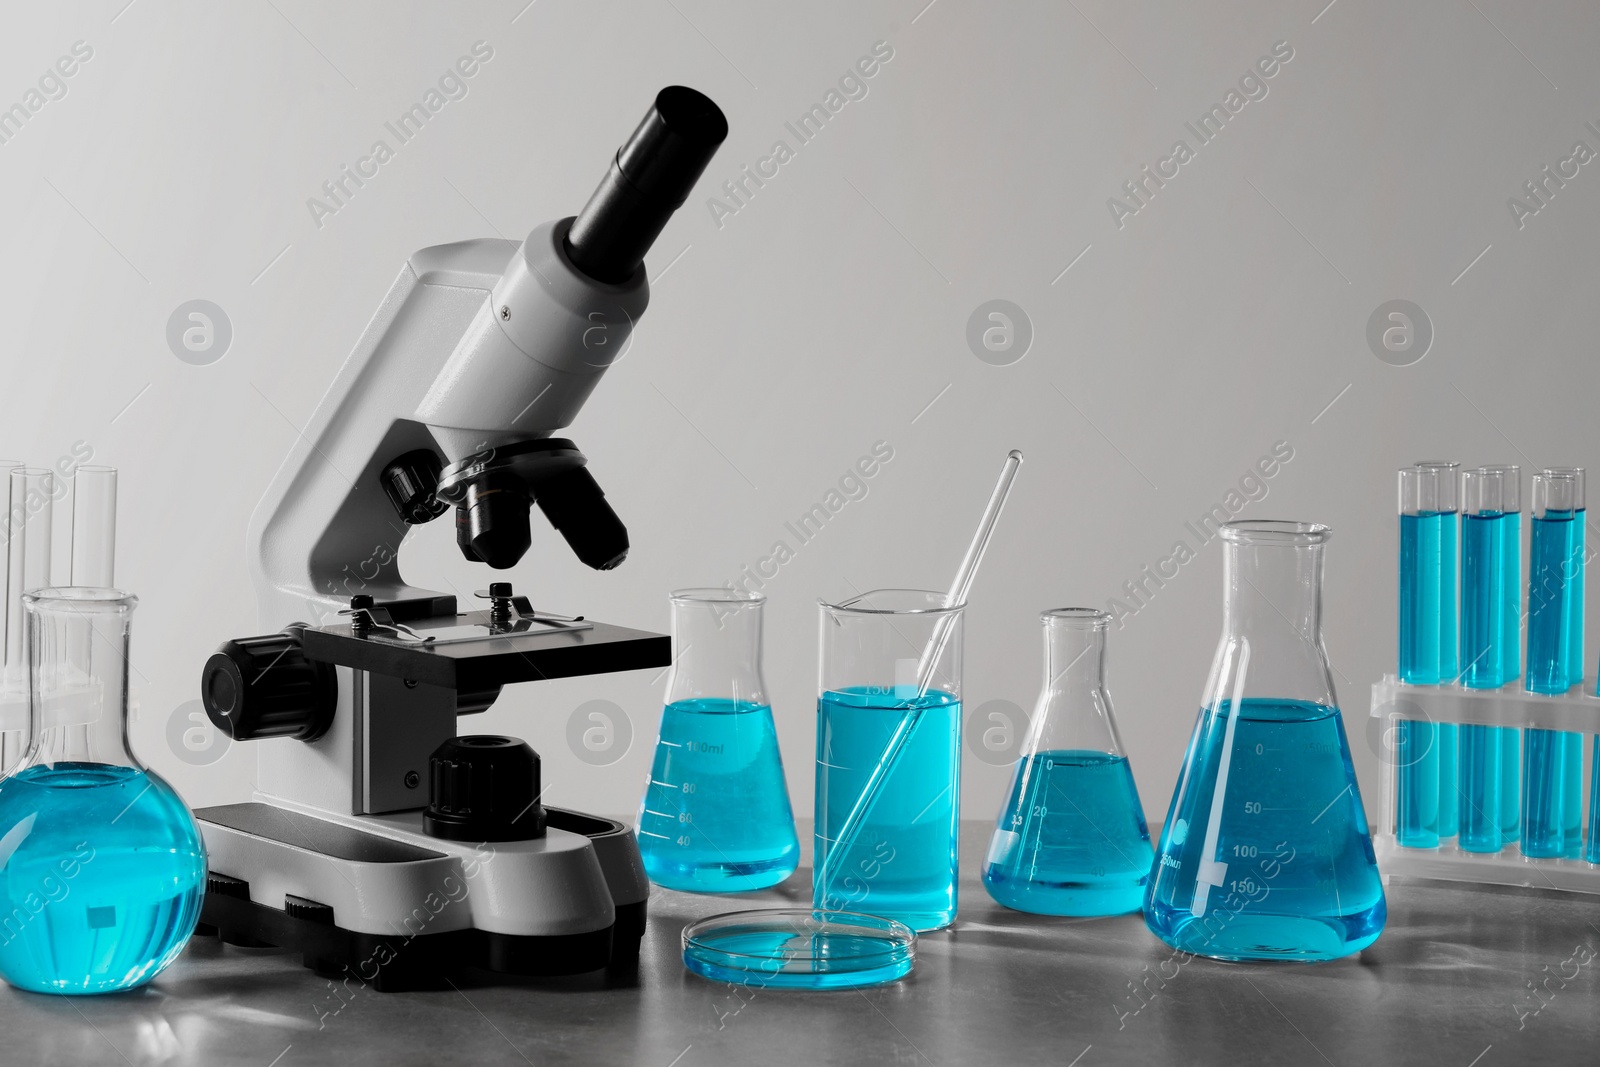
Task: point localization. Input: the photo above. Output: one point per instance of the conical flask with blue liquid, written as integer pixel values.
(1071, 838)
(715, 815)
(1266, 852)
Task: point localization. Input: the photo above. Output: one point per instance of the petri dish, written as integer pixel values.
(794, 948)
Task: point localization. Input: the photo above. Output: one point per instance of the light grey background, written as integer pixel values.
(831, 311)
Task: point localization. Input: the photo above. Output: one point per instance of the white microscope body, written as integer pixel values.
(479, 352)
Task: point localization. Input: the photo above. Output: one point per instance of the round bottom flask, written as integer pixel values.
(102, 869)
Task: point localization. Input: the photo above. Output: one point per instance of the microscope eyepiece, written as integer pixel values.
(650, 178)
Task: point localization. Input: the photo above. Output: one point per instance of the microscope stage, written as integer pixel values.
(491, 660)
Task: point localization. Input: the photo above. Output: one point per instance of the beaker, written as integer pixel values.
(1265, 853)
(1071, 838)
(715, 814)
(106, 870)
(900, 861)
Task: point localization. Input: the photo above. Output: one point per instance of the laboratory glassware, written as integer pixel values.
(1425, 751)
(1490, 508)
(1071, 837)
(27, 547)
(1552, 772)
(1265, 853)
(107, 869)
(715, 814)
(900, 860)
(1511, 644)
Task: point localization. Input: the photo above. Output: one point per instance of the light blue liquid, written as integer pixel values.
(1484, 545)
(1491, 597)
(1510, 784)
(1482, 800)
(902, 863)
(715, 815)
(1576, 567)
(1511, 624)
(1290, 873)
(1551, 595)
(1071, 839)
(1426, 793)
(105, 883)
(1552, 794)
(1449, 780)
(1417, 784)
(1428, 653)
(1592, 853)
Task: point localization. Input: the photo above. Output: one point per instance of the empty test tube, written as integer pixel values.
(94, 526)
(1490, 528)
(30, 498)
(1552, 770)
(1428, 653)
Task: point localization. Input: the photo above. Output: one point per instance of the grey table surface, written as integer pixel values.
(1451, 981)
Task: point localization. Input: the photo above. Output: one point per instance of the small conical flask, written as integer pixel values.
(1071, 838)
(1265, 853)
(102, 869)
(715, 815)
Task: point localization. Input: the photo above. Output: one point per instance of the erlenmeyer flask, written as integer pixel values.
(103, 869)
(1071, 838)
(715, 815)
(1265, 853)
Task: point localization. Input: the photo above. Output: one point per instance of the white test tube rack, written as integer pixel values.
(1575, 711)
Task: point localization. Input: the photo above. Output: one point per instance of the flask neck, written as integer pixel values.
(1273, 593)
(78, 676)
(1074, 710)
(1271, 645)
(716, 647)
(1074, 658)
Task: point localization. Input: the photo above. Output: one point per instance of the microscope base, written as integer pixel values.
(375, 900)
(402, 964)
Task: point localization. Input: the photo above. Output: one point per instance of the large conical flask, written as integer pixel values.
(715, 815)
(102, 869)
(1071, 838)
(1265, 853)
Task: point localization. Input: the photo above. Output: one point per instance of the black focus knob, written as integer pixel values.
(484, 788)
(255, 687)
(410, 482)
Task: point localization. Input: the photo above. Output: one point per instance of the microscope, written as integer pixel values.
(379, 843)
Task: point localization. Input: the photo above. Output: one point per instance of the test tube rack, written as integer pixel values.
(1513, 706)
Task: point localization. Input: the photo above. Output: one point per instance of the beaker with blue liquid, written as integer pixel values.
(1071, 838)
(103, 871)
(1266, 852)
(715, 815)
(889, 685)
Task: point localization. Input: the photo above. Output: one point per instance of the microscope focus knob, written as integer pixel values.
(484, 788)
(255, 687)
(410, 481)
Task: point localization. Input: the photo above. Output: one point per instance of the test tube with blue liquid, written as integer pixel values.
(1425, 751)
(1552, 780)
(1511, 652)
(1490, 595)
